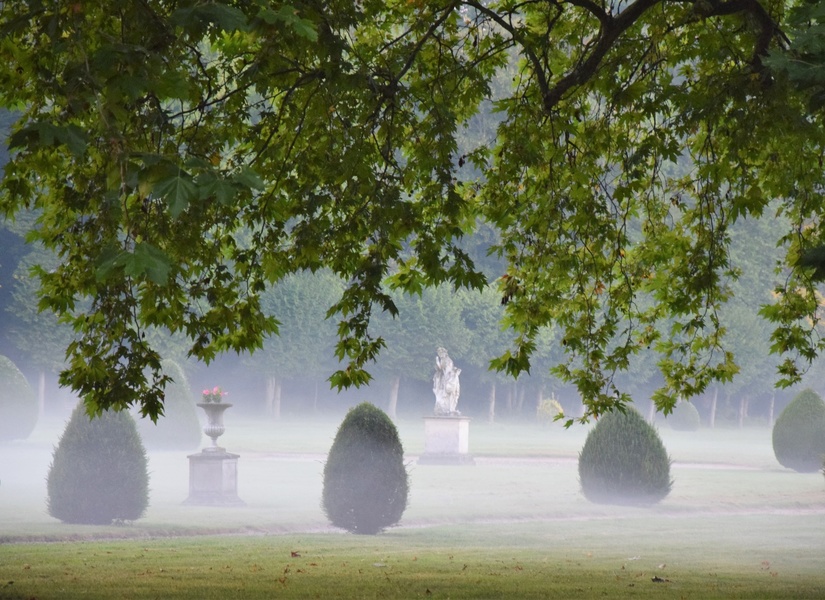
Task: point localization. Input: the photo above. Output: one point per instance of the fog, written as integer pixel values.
(730, 497)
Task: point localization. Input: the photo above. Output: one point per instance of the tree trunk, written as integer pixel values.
(273, 397)
(395, 383)
(520, 399)
(491, 403)
(508, 402)
(743, 410)
(651, 412)
(712, 415)
(771, 409)
(41, 394)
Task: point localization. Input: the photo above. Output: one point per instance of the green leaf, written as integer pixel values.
(214, 187)
(152, 262)
(289, 15)
(249, 178)
(178, 191)
(108, 261)
(222, 16)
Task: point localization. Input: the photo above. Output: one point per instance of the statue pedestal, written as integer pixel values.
(213, 478)
(446, 441)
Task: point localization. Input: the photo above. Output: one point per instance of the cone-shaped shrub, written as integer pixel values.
(684, 417)
(18, 403)
(799, 433)
(365, 480)
(179, 427)
(99, 470)
(623, 461)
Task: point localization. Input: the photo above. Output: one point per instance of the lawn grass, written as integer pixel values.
(722, 557)
(515, 525)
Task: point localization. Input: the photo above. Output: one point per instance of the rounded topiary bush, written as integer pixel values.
(179, 428)
(799, 433)
(623, 461)
(365, 480)
(18, 403)
(684, 417)
(99, 470)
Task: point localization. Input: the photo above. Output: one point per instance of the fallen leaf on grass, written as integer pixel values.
(295, 554)
(658, 579)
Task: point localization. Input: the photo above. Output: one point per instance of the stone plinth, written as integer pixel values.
(446, 441)
(213, 478)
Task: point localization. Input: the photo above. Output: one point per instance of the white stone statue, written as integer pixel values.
(445, 384)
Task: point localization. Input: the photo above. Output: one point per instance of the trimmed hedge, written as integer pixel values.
(99, 470)
(365, 480)
(18, 403)
(799, 433)
(623, 461)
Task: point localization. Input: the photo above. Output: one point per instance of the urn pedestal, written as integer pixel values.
(213, 472)
(446, 441)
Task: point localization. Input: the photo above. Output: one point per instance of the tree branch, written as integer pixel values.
(515, 34)
(611, 29)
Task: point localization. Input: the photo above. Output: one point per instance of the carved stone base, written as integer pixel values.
(213, 479)
(446, 441)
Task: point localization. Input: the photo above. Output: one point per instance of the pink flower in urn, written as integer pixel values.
(214, 395)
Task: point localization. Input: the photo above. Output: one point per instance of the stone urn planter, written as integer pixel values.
(214, 427)
(213, 472)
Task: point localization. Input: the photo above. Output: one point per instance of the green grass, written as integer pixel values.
(728, 557)
(736, 525)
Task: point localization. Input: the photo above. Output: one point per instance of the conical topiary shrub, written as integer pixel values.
(179, 428)
(18, 403)
(684, 417)
(799, 433)
(365, 480)
(623, 461)
(99, 470)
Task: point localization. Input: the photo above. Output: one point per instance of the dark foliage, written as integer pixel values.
(99, 470)
(624, 461)
(799, 433)
(18, 403)
(365, 480)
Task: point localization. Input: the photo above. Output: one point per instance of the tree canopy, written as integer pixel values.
(182, 155)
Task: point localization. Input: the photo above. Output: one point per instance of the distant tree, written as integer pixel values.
(41, 336)
(304, 345)
(482, 314)
(18, 405)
